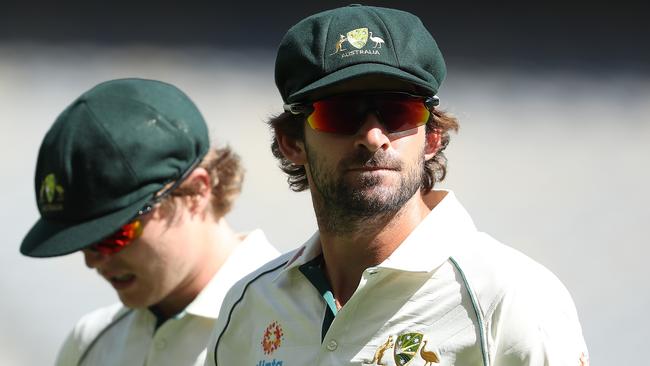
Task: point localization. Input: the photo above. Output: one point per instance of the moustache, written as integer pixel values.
(367, 159)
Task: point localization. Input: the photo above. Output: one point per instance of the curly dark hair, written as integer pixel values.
(293, 126)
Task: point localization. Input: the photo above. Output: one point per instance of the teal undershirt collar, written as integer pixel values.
(314, 272)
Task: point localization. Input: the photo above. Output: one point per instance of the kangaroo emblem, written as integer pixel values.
(379, 353)
(339, 44)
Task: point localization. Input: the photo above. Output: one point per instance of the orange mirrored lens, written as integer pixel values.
(402, 115)
(336, 115)
(346, 114)
(120, 239)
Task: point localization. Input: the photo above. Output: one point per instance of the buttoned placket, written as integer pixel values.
(333, 347)
(160, 340)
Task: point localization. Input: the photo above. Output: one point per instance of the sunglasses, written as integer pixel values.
(127, 233)
(345, 114)
(119, 239)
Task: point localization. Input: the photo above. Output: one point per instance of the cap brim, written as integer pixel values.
(375, 77)
(49, 238)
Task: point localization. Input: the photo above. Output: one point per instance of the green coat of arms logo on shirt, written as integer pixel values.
(406, 347)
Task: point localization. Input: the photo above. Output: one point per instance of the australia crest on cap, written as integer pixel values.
(51, 194)
(358, 39)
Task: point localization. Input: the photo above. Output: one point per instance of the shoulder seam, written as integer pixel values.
(109, 326)
(477, 311)
(216, 345)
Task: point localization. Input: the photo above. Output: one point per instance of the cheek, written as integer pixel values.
(320, 166)
(411, 146)
(323, 142)
(162, 248)
(164, 261)
(154, 269)
(143, 257)
(324, 149)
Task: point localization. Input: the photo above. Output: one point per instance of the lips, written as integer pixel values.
(371, 168)
(364, 159)
(121, 281)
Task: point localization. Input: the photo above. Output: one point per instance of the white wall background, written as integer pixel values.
(555, 164)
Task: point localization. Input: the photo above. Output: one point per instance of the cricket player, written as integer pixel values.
(397, 273)
(126, 175)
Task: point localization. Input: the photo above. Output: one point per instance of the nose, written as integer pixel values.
(372, 135)
(94, 259)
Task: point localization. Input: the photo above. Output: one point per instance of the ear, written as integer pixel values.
(433, 143)
(292, 149)
(200, 180)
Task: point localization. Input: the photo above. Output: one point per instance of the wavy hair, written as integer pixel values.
(226, 177)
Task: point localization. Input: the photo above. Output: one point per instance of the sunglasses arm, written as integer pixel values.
(431, 102)
(298, 109)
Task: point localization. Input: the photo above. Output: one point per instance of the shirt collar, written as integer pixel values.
(255, 246)
(305, 253)
(436, 238)
(429, 245)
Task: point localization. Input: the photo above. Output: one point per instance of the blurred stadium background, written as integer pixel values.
(552, 157)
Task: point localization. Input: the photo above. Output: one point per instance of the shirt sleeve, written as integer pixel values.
(84, 332)
(536, 324)
(70, 351)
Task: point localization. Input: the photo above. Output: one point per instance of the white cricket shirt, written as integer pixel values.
(448, 295)
(117, 335)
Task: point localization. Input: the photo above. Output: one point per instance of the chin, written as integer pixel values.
(135, 302)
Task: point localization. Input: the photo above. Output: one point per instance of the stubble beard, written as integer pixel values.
(343, 208)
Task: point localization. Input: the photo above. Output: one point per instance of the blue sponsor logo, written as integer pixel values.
(273, 362)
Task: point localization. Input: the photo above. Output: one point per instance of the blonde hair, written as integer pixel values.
(226, 177)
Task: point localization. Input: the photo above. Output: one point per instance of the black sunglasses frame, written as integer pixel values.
(148, 207)
(305, 109)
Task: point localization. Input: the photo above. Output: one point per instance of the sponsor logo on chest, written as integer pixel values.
(271, 340)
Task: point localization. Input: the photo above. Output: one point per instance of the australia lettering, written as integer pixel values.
(52, 207)
(360, 52)
(269, 363)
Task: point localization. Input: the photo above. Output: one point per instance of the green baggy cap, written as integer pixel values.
(386, 49)
(105, 157)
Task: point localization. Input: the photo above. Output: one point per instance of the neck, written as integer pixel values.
(348, 254)
(212, 244)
